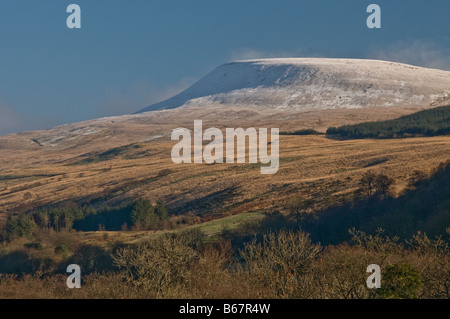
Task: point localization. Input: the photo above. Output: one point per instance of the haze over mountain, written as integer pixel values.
(315, 83)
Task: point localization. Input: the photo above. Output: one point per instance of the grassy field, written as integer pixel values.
(113, 167)
(118, 160)
(313, 166)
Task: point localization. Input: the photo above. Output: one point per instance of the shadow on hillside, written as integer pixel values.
(425, 209)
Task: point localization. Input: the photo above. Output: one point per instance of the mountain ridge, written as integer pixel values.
(314, 83)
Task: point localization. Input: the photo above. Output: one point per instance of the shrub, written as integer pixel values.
(341, 273)
(193, 238)
(280, 261)
(62, 250)
(162, 265)
(375, 184)
(42, 265)
(69, 240)
(27, 196)
(92, 258)
(400, 281)
(165, 172)
(37, 246)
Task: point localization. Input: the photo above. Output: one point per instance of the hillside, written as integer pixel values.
(422, 208)
(312, 165)
(308, 83)
(105, 193)
(120, 159)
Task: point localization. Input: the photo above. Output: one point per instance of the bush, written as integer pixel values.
(37, 246)
(194, 238)
(400, 281)
(62, 250)
(27, 196)
(69, 240)
(341, 273)
(42, 265)
(162, 265)
(375, 184)
(280, 261)
(92, 258)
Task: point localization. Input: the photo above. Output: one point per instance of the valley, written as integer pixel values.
(106, 194)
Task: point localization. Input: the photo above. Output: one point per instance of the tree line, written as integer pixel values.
(302, 132)
(140, 215)
(432, 122)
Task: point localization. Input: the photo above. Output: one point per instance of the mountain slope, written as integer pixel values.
(315, 83)
(122, 158)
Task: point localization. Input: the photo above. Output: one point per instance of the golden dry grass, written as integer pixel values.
(310, 165)
(34, 173)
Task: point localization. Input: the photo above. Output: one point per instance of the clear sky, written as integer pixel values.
(130, 54)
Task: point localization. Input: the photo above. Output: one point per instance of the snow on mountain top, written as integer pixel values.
(323, 61)
(315, 83)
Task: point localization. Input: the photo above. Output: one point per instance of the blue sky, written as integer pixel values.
(130, 54)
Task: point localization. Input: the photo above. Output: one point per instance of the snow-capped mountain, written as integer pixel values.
(292, 94)
(315, 83)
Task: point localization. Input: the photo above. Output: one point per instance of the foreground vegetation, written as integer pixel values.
(432, 122)
(284, 264)
(295, 253)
